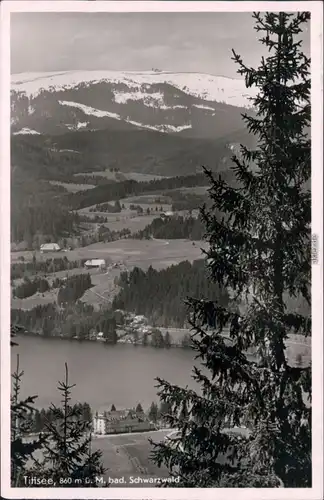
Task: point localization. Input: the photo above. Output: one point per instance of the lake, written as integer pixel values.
(122, 375)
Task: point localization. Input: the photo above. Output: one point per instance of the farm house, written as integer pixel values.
(95, 264)
(50, 247)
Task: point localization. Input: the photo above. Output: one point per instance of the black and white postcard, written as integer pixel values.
(161, 250)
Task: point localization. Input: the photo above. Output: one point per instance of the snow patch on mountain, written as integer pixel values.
(160, 128)
(201, 106)
(26, 130)
(154, 100)
(88, 110)
(209, 87)
(77, 126)
(172, 128)
(151, 100)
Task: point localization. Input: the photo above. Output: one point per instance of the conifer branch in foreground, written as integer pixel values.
(259, 250)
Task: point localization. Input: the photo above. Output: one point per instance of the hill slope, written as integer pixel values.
(142, 151)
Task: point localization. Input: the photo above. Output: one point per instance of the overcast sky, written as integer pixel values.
(199, 42)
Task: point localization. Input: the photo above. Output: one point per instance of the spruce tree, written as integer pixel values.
(139, 408)
(259, 249)
(68, 458)
(153, 412)
(22, 450)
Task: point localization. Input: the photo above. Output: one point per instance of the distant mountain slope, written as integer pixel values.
(189, 104)
(142, 151)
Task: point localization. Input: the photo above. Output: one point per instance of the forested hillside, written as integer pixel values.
(35, 210)
(160, 295)
(176, 227)
(74, 320)
(47, 212)
(46, 157)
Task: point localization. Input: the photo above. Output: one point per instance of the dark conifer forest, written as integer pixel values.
(171, 228)
(73, 288)
(162, 293)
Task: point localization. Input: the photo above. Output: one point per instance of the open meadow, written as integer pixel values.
(72, 187)
(127, 219)
(122, 176)
(38, 299)
(141, 253)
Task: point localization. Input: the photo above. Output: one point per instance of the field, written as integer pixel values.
(127, 219)
(127, 455)
(199, 190)
(141, 253)
(148, 199)
(117, 176)
(71, 187)
(104, 289)
(38, 299)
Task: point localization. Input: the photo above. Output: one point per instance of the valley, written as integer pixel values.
(114, 190)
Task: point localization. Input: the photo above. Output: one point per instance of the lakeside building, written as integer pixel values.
(50, 247)
(121, 421)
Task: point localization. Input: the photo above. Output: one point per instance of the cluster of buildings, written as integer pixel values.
(134, 328)
(102, 264)
(121, 421)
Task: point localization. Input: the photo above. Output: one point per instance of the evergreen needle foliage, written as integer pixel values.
(65, 446)
(260, 251)
(14, 329)
(21, 451)
(68, 458)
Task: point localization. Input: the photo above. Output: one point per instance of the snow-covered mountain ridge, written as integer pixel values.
(187, 103)
(208, 87)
